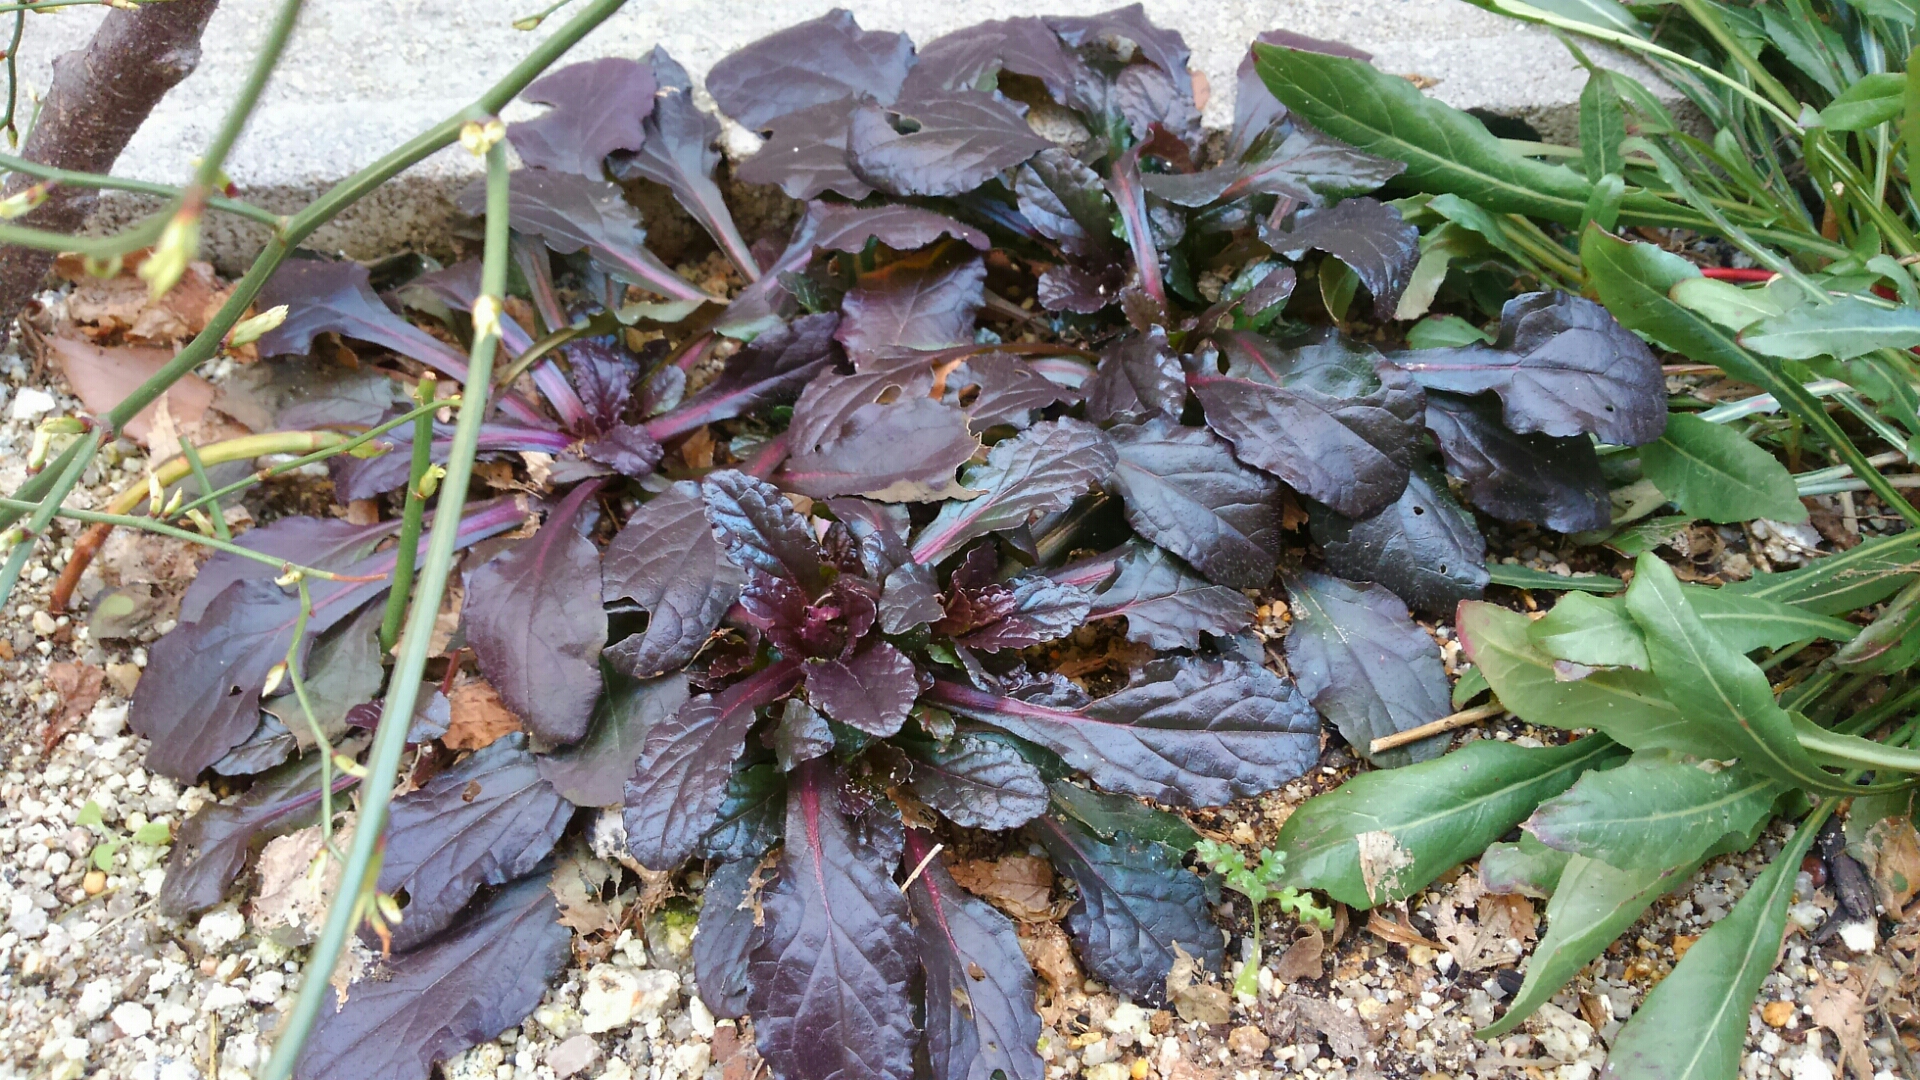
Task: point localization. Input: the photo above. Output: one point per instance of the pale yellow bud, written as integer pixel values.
(479, 137)
(251, 330)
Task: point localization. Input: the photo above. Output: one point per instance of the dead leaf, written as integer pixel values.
(447, 621)
(1305, 958)
(697, 449)
(1486, 941)
(1382, 859)
(163, 439)
(1020, 885)
(292, 903)
(1194, 1000)
(577, 883)
(132, 556)
(1051, 955)
(1389, 928)
(1893, 857)
(1841, 1010)
(102, 377)
(479, 717)
(1344, 1031)
(119, 307)
(79, 686)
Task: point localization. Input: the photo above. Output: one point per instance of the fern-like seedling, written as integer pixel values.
(1259, 883)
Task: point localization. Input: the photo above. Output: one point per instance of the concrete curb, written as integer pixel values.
(361, 76)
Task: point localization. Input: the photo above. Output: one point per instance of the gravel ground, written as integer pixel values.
(94, 982)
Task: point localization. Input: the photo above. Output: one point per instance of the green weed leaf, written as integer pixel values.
(1714, 473)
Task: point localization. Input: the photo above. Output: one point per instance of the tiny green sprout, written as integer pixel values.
(1259, 883)
(90, 815)
(153, 834)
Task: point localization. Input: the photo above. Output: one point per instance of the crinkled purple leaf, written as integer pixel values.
(479, 979)
(805, 154)
(913, 305)
(210, 848)
(485, 821)
(604, 374)
(902, 451)
(597, 107)
(1301, 164)
(752, 815)
(830, 971)
(343, 670)
(681, 778)
(1184, 491)
(1136, 906)
(1038, 472)
(1038, 609)
(1541, 478)
(1562, 365)
(722, 938)
(828, 626)
(572, 213)
(1189, 731)
(878, 529)
(1366, 234)
(972, 58)
(810, 63)
(980, 1021)
(270, 744)
(802, 735)
(1139, 376)
(594, 771)
(1163, 48)
(1425, 546)
(1325, 418)
(943, 144)
(1000, 388)
(761, 529)
(1079, 289)
(322, 543)
(909, 597)
(977, 782)
(770, 371)
(1365, 664)
(534, 621)
(1167, 605)
(668, 561)
(679, 154)
(625, 449)
(1147, 96)
(1066, 200)
(364, 478)
(873, 690)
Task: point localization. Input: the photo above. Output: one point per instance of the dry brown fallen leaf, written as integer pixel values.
(1020, 885)
(119, 306)
(1892, 856)
(102, 377)
(1842, 1010)
(79, 686)
(1305, 958)
(578, 879)
(478, 717)
(1048, 950)
(1193, 1000)
(292, 904)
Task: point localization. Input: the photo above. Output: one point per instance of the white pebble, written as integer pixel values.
(221, 928)
(133, 1020)
(30, 404)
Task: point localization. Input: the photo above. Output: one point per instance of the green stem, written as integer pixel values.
(298, 678)
(217, 519)
(1709, 21)
(146, 524)
(539, 351)
(1861, 752)
(403, 689)
(328, 449)
(43, 514)
(69, 178)
(411, 516)
(1248, 980)
(13, 77)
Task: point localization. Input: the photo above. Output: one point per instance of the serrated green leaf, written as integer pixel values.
(153, 833)
(1592, 904)
(1603, 126)
(1716, 474)
(1657, 810)
(1590, 630)
(1693, 1026)
(1528, 867)
(1383, 836)
(1445, 331)
(1846, 328)
(1627, 705)
(1836, 584)
(1725, 303)
(1526, 577)
(1873, 100)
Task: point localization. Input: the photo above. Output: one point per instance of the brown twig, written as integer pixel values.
(84, 549)
(1438, 727)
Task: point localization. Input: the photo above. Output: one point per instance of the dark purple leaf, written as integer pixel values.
(1147, 96)
(210, 848)
(970, 59)
(810, 63)
(751, 815)
(722, 937)
(364, 478)
(980, 1020)
(322, 543)
(1424, 546)
(1167, 605)
(761, 529)
(977, 782)
(488, 820)
(831, 969)
(1163, 48)
(879, 530)
(909, 598)
(1139, 376)
(802, 735)
(665, 390)
(1038, 472)
(1562, 366)
(1366, 234)
(1541, 478)
(770, 371)
(999, 388)
(432, 714)
(944, 144)
(594, 771)
(1190, 732)
(679, 154)
(759, 308)
(913, 305)
(481, 978)
(1136, 906)
(603, 376)
(1037, 609)
(681, 779)
(270, 744)
(343, 670)
(873, 690)
(1082, 290)
(1066, 200)
(627, 450)
(1301, 164)
(668, 561)
(598, 107)
(806, 153)
(1366, 665)
(572, 213)
(534, 621)
(902, 451)
(1130, 197)
(827, 627)
(1184, 492)
(323, 296)
(1325, 418)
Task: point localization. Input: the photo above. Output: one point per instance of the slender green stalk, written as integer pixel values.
(215, 518)
(330, 449)
(147, 524)
(48, 5)
(69, 178)
(206, 176)
(297, 676)
(43, 513)
(1709, 21)
(138, 236)
(1861, 752)
(403, 689)
(411, 516)
(13, 78)
(539, 351)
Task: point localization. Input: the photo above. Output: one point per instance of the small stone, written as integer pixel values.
(31, 404)
(1247, 1041)
(95, 999)
(94, 883)
(124, 678)
(576, 1055)
(701, 1017)
(224, 997)
(221, 928)
(132, 1019)
(1777, 1013)
(44, 624)
(1810, 1066)
(614, 997)
(1127, 1017)
(1139, 1069)
(1109, 1070)
(1860, 936)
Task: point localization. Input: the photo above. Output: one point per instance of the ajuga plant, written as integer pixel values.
(802, 565)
